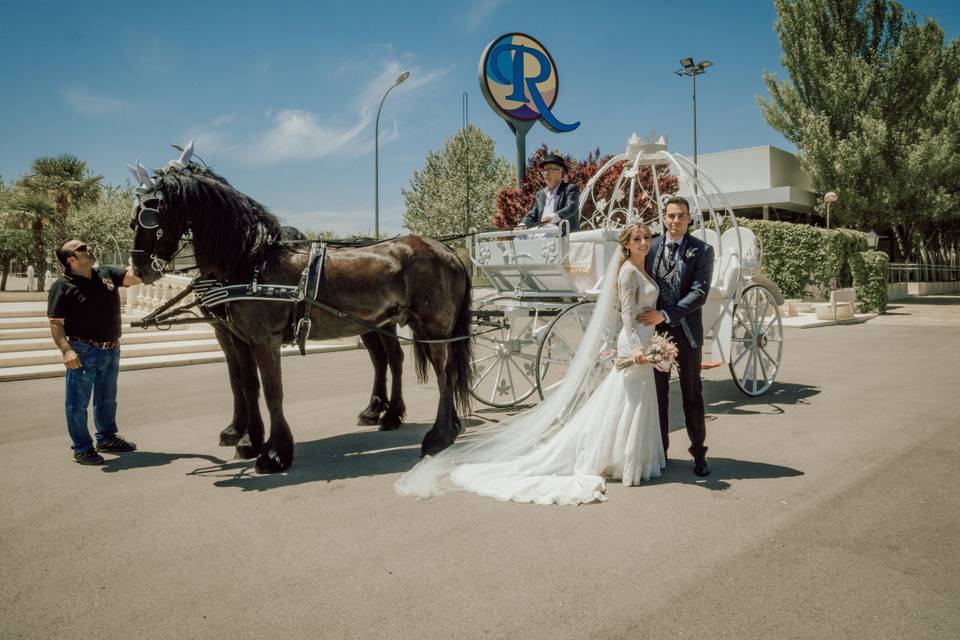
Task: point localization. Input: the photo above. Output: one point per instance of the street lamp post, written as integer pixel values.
(828, 199)
(691, 69)
(376, 158)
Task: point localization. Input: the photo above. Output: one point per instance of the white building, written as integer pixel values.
(761, 182)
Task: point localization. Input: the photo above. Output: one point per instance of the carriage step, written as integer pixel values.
(129, 363)
(43, 342)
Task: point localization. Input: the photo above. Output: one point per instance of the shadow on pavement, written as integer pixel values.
(141, 459)
(721, 471)
(722, 396)
(351, 455)
(939, 300)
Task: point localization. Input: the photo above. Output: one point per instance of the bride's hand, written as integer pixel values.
(639, 358)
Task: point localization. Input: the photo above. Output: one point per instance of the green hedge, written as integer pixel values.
(870, 275)
(805, 260)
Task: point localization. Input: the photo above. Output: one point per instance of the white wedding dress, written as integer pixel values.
(561, 451)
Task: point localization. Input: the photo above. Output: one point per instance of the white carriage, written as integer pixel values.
(546, 282)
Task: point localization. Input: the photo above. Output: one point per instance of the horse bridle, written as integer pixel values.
(148, 191)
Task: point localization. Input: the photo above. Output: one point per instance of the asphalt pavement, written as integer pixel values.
(832, 512)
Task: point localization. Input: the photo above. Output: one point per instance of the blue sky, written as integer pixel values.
(281, 96)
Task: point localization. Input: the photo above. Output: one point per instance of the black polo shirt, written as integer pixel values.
(90, 306)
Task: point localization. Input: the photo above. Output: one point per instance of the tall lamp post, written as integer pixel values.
(376, 158)
(691, 69)
(828, 199)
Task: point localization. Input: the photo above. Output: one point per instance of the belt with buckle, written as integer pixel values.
(94, 343)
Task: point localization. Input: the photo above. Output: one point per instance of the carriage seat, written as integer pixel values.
(725, 265)
(511, 248)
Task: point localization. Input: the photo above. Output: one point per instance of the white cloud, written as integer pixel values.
(297, 134)
(88, 103)
(480, 12)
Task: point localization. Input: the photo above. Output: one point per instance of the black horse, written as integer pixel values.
(412, 281)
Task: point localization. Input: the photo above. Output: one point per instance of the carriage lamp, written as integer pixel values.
(872, 239)
(828, 199)
(376, 158)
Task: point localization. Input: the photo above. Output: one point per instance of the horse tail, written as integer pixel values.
(421, 355)
(461, 351)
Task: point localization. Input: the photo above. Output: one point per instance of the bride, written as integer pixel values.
(561, 451)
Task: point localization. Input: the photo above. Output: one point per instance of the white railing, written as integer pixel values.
(145, 298)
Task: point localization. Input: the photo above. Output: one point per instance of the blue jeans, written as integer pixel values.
(97, 375)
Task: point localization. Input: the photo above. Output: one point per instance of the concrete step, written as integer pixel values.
(38, 322)
(23, 309)
(44, 342)
(23, 296)
(53, 356)
(44, 331)
(29, 372)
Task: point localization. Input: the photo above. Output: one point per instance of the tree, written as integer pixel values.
(63, 179)
(873, 105)
(439, 201)
(514, 203)
(14, 241)
(33, 212)
(320, 234)
(105, 224)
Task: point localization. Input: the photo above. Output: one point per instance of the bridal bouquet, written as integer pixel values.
(661, 353)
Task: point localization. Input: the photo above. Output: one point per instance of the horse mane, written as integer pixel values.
(231, 231)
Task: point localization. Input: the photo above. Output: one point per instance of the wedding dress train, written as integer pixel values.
(561, 451)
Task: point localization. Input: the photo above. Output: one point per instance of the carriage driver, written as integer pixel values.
(560, 200)
(84, 310)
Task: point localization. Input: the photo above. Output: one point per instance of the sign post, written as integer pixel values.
(519, 81)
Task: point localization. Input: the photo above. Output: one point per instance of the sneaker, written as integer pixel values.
(89, 457)
(116, 444)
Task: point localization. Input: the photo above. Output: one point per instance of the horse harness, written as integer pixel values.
(211, 294)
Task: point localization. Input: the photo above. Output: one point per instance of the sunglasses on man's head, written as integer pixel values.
(81, 248)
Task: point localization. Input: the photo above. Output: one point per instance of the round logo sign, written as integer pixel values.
(519, 77)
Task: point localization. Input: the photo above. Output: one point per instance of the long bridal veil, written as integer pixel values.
(521, 433)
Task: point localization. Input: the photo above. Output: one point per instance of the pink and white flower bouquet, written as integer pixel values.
(661, 352)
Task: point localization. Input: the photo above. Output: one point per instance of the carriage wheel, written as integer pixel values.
(560, 344)
(504, 360)
(757, 341)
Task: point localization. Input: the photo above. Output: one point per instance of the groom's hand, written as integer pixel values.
(651, 317)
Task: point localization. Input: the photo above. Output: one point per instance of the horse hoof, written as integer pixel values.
(247, 450)
(368, 419)
(389, 424)
(432, 445)
(273, 461)
(229, 437)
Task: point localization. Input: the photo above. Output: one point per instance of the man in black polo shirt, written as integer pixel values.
(84, 310)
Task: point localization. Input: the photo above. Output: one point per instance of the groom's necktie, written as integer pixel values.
(672, 249)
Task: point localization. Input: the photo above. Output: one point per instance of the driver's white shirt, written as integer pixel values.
(549, 204)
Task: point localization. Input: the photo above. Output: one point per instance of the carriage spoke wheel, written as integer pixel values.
(560, 344)
(504, 359)
(757, 341)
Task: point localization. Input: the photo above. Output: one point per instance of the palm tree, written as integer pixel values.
(35, 211)
(63, 179)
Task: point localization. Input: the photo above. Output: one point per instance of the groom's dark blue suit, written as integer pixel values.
(681, 297)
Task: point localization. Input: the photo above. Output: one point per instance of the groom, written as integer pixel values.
(682, 266)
